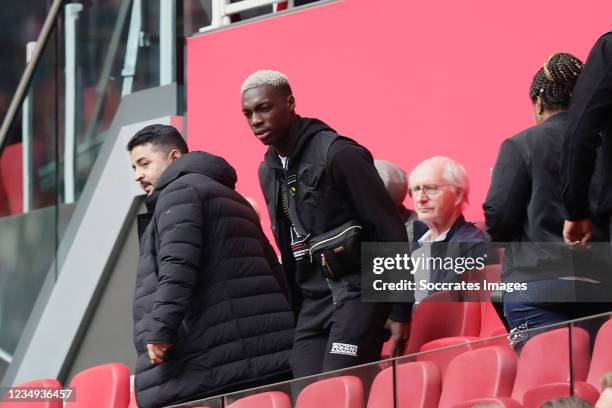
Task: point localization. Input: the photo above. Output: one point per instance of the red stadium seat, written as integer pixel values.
(419, 386)
(482, 373)
(385, 353)
(4, 203)
(437, 316)
(545, 359)
(338, 392)
(535, 397)
(12, 176)
(443, 357)
(37, 384)
(490, 323)
(601, 362)
(490, 326)
(103, 386)
(505, 402)
(272, 399)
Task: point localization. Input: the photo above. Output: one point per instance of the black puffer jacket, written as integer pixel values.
(209, 282)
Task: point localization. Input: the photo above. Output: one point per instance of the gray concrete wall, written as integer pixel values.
(27, 251)
(108, 335)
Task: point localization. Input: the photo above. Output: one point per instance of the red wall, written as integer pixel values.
(407, 79)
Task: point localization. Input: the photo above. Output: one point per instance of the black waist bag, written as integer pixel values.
(337, 252)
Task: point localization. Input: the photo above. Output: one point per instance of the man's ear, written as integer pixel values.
(291, 103)
(175, 154)
(460, 194)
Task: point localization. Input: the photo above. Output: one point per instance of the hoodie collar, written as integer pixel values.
(302, 130)
(204, 163)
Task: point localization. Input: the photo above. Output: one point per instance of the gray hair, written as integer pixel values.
(394, 179)
(454, 174)
(265, 77)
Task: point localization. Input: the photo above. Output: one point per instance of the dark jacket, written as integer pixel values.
(208, 282)
(524, 205)
(336, 182)
(589, 126)
(464, 239)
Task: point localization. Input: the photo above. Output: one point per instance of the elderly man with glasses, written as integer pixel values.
(439, 188)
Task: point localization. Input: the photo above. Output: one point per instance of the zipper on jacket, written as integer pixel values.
(331, 290)
(312, 248)
(327, 267)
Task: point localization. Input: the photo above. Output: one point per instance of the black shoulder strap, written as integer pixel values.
(316, 151)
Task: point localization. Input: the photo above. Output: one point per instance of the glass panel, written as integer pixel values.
(20, 22)
(461, 369)
(591, 359)
(28, 242)
(33, 179)
(197, 14)
(147, 69)
(215, 402)
(102, 30)
(106, 59)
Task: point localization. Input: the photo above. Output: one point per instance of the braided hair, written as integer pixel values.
(555, 81)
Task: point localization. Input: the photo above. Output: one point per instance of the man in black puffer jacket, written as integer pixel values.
(211, 313)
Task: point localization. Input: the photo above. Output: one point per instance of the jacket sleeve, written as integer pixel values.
(353, 172)
(275, 266)
(589, 113)
(179, 227)
(506, 203)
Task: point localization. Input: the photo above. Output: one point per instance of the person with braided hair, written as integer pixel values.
(524, 208)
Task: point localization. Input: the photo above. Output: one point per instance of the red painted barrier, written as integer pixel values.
(407, 79)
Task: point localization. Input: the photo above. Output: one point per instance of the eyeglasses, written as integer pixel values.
(429, 190)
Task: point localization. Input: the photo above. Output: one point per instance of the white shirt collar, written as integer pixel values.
(427, 236)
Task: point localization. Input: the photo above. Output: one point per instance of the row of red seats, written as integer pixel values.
(491, 374)
(462, 322)
(484, 374)
(104, 386)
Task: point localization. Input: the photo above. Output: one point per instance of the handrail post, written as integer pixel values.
(27, 140)
(131, 48)
(167, 42)
(71, 11)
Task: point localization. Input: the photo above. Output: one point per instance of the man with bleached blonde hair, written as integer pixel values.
(318, 185)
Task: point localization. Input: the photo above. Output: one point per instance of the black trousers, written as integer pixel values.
(330, 336)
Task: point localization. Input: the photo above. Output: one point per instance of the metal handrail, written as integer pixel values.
(28, 73)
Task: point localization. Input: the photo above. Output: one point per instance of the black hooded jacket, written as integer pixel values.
(208, 282)
(587, 150)
(336, 182)
(524, 206)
